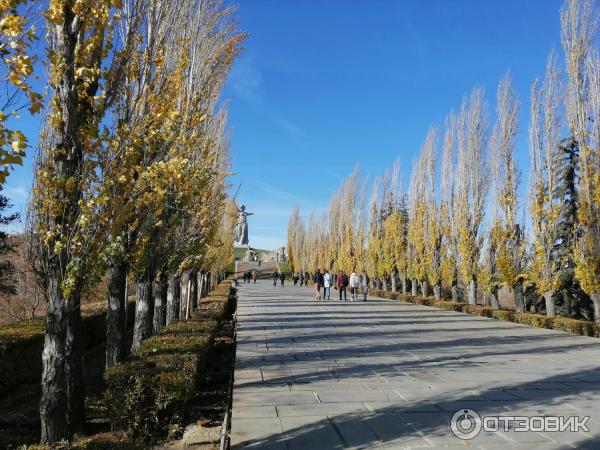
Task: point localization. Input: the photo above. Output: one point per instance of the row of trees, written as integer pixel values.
(461, 222)
(130, 175)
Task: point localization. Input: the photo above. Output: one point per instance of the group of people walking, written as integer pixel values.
(322, 280)
(341, 282)
(250, 275)
(278, 275)
(301, 277)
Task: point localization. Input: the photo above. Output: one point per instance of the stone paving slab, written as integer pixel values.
(384, 375)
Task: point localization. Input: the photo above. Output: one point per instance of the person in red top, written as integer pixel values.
(342, 284)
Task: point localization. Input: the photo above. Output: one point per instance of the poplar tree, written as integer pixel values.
(471, 185)
(579, 21)
(544, 138)
(507, 242)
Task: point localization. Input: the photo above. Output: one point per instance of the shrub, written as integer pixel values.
(534, 320)
(575, 326)
(21, 345)
(450, 306)
(148, 395)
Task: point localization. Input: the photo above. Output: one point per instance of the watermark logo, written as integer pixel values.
(467, 424)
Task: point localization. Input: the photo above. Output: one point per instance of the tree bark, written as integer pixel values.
(173, 298)
(494, 299)
(595, 297)
(518, 298)
(472, 292)
(144, 309)
(185, 295)
(404, 287)
(424, 288)
(385, 284)
(194, 290)
(550, 304)
(205, 284)
(188, 295)
(394, 281)
(413, 285)
(53, 403)
(200, 285)
(160, 303)
(437, 292)
(454, 291)
(74, 367)
(116, 315)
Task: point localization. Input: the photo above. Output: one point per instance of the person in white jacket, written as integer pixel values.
(354, 285)
(327, 285)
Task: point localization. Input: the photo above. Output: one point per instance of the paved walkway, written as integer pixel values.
(333, 375)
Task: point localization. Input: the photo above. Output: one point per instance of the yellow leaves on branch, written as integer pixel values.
(16, 37)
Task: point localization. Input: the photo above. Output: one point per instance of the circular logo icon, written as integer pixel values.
(465, 424)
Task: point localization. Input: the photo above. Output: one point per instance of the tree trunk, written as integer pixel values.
(116, 315)
(144, 309)
(550, 304)
(454, 291)
(394, 281)
(188, 296)
(437, 292)
(424, 288)
(200, 285)
(173, 298)
(53, 403)
(74, 367)
(160, 303)
(472, 292)
(494, 299)
(196, 289)
(595, 297)
(61, 402)
(385, 284)
(518, 298)
(413, 285)
(404, 287)
(205, 284)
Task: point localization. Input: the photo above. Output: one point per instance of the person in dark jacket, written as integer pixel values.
(282, 277)
(275, 278)
(342, 284)
(318, 279)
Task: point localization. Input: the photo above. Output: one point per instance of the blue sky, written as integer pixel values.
(325, 85)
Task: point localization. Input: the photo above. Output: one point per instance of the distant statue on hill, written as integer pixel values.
(241, 227)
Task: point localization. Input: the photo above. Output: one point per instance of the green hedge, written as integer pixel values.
(573, 326)
(147, 396)
(21, 345)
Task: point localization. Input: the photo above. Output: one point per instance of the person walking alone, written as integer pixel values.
(282, 277)
(342, 284)
(354, 285)
(275, 278)
(364, 279)
(318, 279)
(327, 285)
